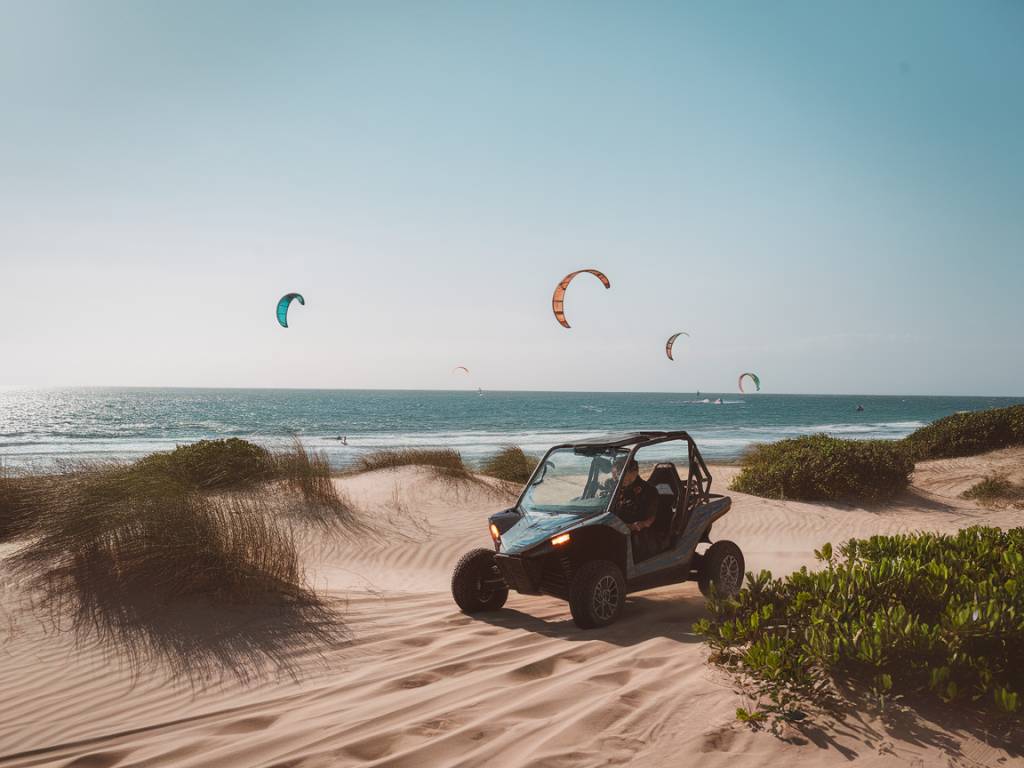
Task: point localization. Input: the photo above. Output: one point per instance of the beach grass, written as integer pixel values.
(993, 489)
(307, 475)
(510, 464)
(129, 553)
(439, 458)
(16, 509)
(444, 464)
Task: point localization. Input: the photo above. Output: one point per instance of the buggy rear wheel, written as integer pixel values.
(597, 594)
(722, 565)
(476, 583)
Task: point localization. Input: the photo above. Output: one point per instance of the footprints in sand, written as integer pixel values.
(247, 725)
(418, 681)
(719, 740)
(99, 759)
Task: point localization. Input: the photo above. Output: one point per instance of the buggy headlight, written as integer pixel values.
(495, 533)
(560, 539)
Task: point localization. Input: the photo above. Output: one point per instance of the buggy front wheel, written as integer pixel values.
(597, 594)
(476, 583)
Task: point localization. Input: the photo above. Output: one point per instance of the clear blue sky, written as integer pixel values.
(830, 194)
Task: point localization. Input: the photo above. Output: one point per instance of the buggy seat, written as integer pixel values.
(665, 480)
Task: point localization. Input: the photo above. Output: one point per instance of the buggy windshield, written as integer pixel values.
(574, 481)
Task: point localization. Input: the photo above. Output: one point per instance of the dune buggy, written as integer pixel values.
(563, 537)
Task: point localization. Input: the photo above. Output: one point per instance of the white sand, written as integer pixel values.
(424, 685)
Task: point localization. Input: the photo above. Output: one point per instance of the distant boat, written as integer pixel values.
(860, 408)
(718, 401)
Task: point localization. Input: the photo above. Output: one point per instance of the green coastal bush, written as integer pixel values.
(510, 464)
(938, 615)
(966, 434)
(823, 468)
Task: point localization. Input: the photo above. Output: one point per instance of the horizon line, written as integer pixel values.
(9, 387)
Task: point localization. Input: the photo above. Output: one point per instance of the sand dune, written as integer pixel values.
(421, 684)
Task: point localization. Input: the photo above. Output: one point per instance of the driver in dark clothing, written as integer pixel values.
(637, 507)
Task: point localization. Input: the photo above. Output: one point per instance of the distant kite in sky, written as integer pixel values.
(753, 377)
(284, 303)
(671, 341)
(558, 300)
(460, 368)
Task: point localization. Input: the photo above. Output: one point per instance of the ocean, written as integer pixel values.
(41, 426)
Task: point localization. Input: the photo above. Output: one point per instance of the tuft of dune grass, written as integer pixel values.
(441, 458)
(16, 508)
(308, 475)
(445, 464)
(994, 488)
(149, 559)
(511, 465)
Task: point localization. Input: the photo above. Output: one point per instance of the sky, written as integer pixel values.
(829, 194)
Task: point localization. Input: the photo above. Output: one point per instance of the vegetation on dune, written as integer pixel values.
(967, 434)
(823, 468)
(936, 615)
(111, 527)
(212, 464)
(441, 458)
(308, 475)
(130, 552)
(444, 463)
(510, 464)
(16, 509)
(994, 488)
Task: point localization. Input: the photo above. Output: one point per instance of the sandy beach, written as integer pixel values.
(421, 684)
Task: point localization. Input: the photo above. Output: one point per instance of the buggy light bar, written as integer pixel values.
(562, 538)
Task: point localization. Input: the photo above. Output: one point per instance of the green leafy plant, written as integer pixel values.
(823, 468)
(929, 614)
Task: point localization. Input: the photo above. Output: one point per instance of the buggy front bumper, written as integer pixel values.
(520, 574)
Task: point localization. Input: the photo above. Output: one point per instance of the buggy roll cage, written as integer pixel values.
(697, 488)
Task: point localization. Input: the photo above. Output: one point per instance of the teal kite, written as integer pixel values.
(284, 303)
(753, 377)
